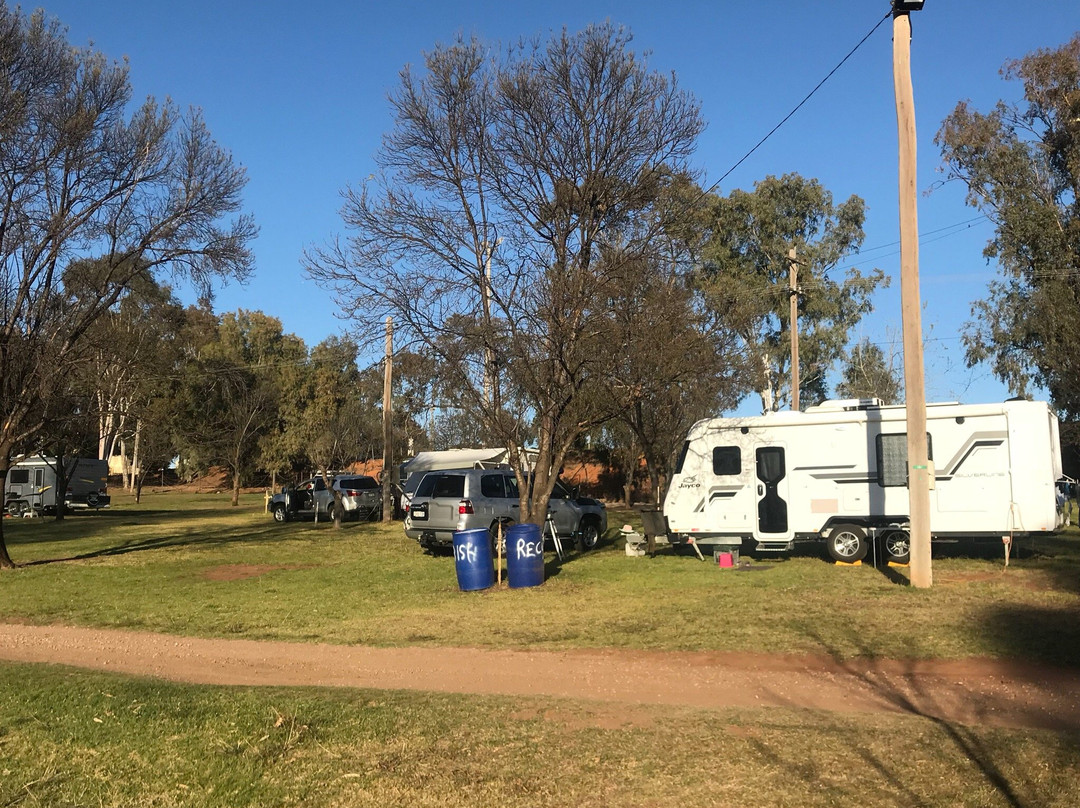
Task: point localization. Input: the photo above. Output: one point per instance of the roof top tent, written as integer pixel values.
(31, 485)
(453, 459)
(456, 459)
(838, 471)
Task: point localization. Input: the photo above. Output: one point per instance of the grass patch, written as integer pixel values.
(190, 564)
(77, 738)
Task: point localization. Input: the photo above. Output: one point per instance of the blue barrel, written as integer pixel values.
(524, 555)
(472, 559)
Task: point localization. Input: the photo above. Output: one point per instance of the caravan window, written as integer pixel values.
(726, 461)
(892, 459)
(19, 476)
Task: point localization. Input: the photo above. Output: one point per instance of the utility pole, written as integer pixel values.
(920, 475)
(387, 425)
(793, 324)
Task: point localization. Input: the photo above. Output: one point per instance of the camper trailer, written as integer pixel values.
(31, 486)
(838, 472)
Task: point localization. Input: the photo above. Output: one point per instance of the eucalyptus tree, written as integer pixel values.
(1021, 165)
(229, 398)
(133, 353)
(745, 276)
(333, 424)
(506, 179)
(83, 174)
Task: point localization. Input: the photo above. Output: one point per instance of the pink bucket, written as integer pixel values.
(726, 560)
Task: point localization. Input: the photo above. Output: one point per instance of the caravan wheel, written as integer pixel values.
(897, 546)
(847, 543)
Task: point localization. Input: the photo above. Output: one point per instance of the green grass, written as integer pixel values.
(190, 564)
(77, 738)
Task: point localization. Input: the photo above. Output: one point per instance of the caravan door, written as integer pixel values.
(772, 494)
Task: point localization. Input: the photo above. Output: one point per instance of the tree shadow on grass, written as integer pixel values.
(1040, 634)
(193, 537)
(905, 687)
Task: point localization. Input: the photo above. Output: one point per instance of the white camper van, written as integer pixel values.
(31, 485)
(838, 472)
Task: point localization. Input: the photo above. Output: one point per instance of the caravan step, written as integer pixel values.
(775, 546)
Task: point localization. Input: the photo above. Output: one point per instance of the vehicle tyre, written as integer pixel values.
(280, 514)
(897, 546)
(590, 535)
(847, 543)
(18, 507)
(335, 511)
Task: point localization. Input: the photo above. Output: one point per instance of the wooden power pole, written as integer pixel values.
(793, 324)
(387, 425)
(920, 474)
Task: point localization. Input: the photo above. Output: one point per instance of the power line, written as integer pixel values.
(798, 106)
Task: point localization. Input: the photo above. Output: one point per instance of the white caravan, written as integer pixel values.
(31, 485)
(838, 471)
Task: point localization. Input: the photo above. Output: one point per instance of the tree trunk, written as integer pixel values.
(135, 459)
(104, 428)
(236, 486)
(654, 479)
(124, 465)
(336, 510)
(62, 478)
(5, 559)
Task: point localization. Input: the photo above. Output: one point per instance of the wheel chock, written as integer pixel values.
(848, 563)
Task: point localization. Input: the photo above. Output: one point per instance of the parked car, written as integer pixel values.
(361, 498)
(464, 499)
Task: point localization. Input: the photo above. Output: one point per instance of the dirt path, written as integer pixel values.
(980, 692)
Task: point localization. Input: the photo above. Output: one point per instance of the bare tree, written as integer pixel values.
(505, 181)
(79, 179)
(868, 373)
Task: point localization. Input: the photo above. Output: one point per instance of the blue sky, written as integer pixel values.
(297, 92)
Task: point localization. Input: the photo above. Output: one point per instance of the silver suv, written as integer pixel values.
(465, 499)
(361, 498)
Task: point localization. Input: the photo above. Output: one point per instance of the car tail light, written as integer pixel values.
(465, 507)
(350, 493)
